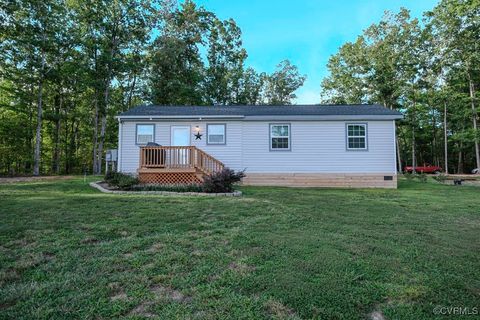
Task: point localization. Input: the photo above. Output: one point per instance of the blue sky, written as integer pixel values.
(307, 32)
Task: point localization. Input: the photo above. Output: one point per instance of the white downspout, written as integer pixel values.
(395, 169)
(119, 152)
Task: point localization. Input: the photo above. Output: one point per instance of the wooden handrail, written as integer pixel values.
(184, 157)
(206, 163)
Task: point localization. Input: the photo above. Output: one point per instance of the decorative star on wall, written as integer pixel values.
(198, 136)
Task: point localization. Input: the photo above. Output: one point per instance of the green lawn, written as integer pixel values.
(68, 251)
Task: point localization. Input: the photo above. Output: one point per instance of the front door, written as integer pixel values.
(180, 136)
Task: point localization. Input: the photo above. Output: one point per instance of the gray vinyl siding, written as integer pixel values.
(319, 147)
(316, 146)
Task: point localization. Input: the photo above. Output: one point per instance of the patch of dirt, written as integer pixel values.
(147, 266)
(142, 310)
(8, 275)
(376, 315)
(22, 243)
(174, 295)
(156, 247)
(7, 304)
(159, 291)
(119, 296)
(128, 255)
(90, 240)
(117, 292)
(32, 260)
(279, 310)
(241, 267)
(48, 256)
(30, 179)
(214, 277)
(197, 253)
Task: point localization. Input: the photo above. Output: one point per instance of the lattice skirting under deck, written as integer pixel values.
(169, 178)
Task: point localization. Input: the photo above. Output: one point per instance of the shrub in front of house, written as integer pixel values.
(121, 180)
(222, 181)
(218, 182)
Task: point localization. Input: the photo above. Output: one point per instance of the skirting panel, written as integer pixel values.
(169, 178)
(327, 180)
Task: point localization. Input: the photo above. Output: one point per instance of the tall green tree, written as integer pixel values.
(34, 35)
(114, 31)
(282, 84)
(456, 25)
(226, 58)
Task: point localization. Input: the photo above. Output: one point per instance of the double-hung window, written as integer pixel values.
(145, 133)
(356, 136)
(216, 133)
(279, 136)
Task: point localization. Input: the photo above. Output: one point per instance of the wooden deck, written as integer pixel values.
(175, 165)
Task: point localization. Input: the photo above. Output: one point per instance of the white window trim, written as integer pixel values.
(365, 125)
(136, 133)
(289, 137)
(224, 142)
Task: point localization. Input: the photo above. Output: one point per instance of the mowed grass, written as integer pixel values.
(68, 251)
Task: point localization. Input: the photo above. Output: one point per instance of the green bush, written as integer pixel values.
(422, 177)
(121, 180)
(219, 182)
(440, 177)
(111, 177)
(222, 181)
(409, 175)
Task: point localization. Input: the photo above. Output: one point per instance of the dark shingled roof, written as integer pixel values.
(290, 110)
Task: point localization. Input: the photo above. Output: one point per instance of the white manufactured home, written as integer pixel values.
(298, 145)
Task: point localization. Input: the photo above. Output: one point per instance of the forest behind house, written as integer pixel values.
(67, 68)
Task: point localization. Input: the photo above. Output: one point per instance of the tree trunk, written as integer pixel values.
(30, 138)
(38, 134)
(399, 161)
(66, 148)
(101, 143)
(445, 137)
(435, 160)
(413, 131)
(460, 160)
(56, 149)
(95, 135)
(474, 117)
(130, 94)
(96, 115)
(413, 151)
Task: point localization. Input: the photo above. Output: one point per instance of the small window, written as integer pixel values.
(145, 133)
(280, 137)
(356, 136)
(216, 133)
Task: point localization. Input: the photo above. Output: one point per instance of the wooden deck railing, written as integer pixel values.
(188, 157)
(206, 163)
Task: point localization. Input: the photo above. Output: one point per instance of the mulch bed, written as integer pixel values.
(106, 188)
